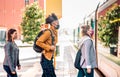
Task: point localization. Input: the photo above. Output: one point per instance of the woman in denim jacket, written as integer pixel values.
(11, 59)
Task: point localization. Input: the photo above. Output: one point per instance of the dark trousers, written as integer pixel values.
(47, 66)
(9, 74)
(83, 72)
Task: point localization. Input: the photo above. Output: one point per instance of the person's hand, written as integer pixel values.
(19, 67)
(52, 48)
(13, 72)
(88, 70)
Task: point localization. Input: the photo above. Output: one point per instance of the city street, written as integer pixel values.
(21, 20)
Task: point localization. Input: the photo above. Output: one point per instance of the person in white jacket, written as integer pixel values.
(88, 58)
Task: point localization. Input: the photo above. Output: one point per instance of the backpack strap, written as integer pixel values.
(52, 36)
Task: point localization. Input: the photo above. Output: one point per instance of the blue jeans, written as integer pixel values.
(9, 74)
(83, 72)
(47, 66)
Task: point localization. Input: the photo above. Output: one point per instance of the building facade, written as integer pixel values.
(11, 12)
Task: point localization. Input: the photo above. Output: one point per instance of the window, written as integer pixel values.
(2, 36)
(35, 0)
(26, 2)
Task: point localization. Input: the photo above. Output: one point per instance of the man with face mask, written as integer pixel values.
(45, 41)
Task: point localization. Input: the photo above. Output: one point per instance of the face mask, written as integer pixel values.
(57, 26)
(92, 32)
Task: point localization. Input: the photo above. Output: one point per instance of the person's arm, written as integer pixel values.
(87, 45)
(41, 41)
(8, 50)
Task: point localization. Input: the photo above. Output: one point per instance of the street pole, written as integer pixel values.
(84, 20)
(55, 59)
(74, 35)
(78, 33)
(96, 29)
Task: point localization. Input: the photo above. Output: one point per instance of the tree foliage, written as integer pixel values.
(32, 18)
(108, 27)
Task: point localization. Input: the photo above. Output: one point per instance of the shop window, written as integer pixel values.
(26, 2)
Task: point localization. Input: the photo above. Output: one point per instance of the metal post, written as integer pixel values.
(55, 59)
(96, 29)
(74, 35)
(78, 33)
(84, 20)
(118, 52)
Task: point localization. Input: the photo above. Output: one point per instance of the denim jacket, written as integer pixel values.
(11, 55)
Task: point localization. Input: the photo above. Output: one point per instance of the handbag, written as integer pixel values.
(77, 59)
(78, 56)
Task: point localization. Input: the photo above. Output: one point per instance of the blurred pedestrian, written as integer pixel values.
(45, 41)
(11, 59)
(88, 58)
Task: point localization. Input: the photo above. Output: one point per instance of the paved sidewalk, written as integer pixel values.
(32, 68)
(64, 65)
